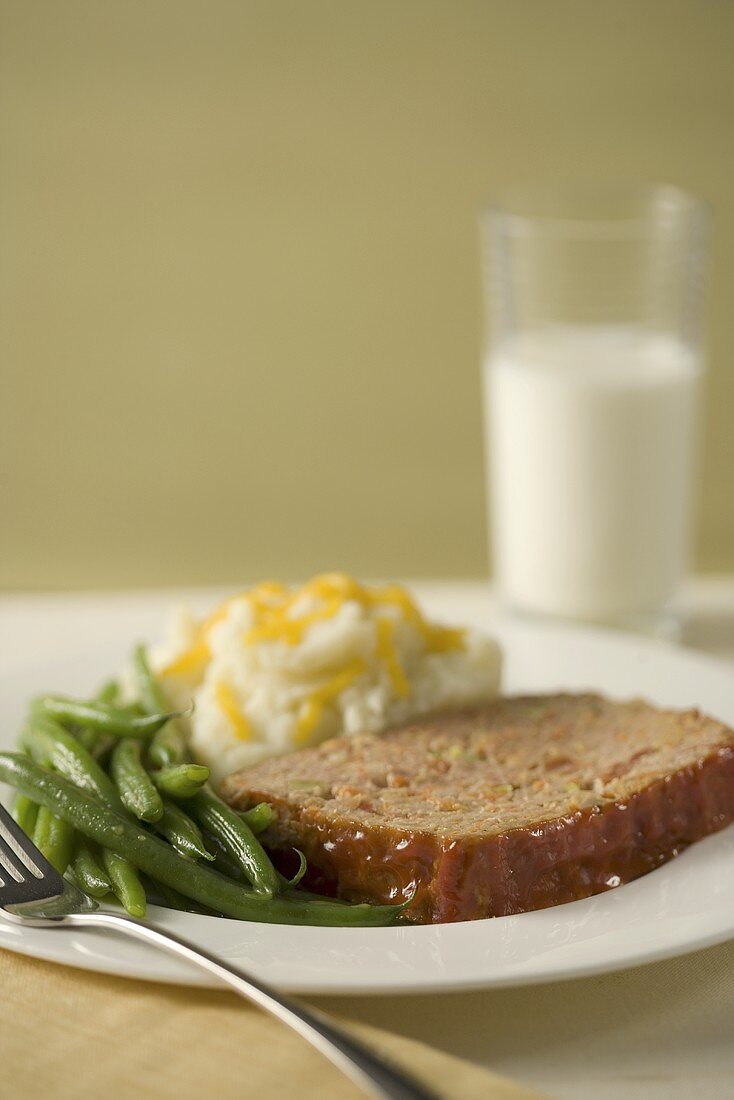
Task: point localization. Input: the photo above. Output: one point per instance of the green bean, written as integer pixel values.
(229, 867)
(150, 692)
(291, 883)
(237, 839)
(109, 692)
(133, 782)
(180, 780)
(54, 838)
(87, 867)
(87, 738)
(183, 833)
(25, 812)
(173, 900)
(104, 717)
(126, 884)
(224, 862)
(50, 744)
(99, 744)
(259, 817)
(170, 897)
(168, 745)
(157, 859)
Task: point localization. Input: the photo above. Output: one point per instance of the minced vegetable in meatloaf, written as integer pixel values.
(518, 805)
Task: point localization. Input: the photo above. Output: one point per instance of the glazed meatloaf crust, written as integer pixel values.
(522, 804)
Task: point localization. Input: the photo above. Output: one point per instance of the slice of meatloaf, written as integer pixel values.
(525, 803)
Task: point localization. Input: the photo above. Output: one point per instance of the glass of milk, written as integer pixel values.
(590, 382)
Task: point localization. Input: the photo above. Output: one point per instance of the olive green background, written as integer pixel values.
(240, 308)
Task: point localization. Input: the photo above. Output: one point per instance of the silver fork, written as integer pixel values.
(32, 893)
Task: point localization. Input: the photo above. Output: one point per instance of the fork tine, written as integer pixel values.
(9, 866)
(26, 874)
(25, 858)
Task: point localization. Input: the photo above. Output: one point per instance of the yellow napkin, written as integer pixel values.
(71, 1033)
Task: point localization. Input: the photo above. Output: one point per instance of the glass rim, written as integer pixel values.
(520, 209)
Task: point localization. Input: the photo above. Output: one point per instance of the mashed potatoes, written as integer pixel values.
(275, 669)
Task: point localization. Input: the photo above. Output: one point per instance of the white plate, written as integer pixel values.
(687, 904)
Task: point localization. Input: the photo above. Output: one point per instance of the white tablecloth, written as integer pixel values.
(661, 1031)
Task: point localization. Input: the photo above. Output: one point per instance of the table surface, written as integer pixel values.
(659, 1031)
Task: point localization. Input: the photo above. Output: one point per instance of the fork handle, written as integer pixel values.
(374, 1075)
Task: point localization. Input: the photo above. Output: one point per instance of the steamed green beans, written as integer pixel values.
(237, 839)
(291, 883)
(109, 692)
(224, 862)
(133, 782)
(181, 832)
(173, 900)
(105, 717)
(49, 743)
(99, 744)
(168, 744)
(87, 866)
(149, 690)
(25, 812)
(104, 776)
(157, 859)
(259, 817)
(54, 838)
(180, 780)
(125, 881)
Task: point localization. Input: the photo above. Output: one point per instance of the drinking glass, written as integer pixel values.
(591, 378)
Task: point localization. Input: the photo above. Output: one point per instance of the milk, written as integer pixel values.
(591, 443)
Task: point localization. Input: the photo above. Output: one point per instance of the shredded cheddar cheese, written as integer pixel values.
(276, 619)
(189, 663)
(387, 654)
(313, 707)
(228, 704)
(276, 624)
